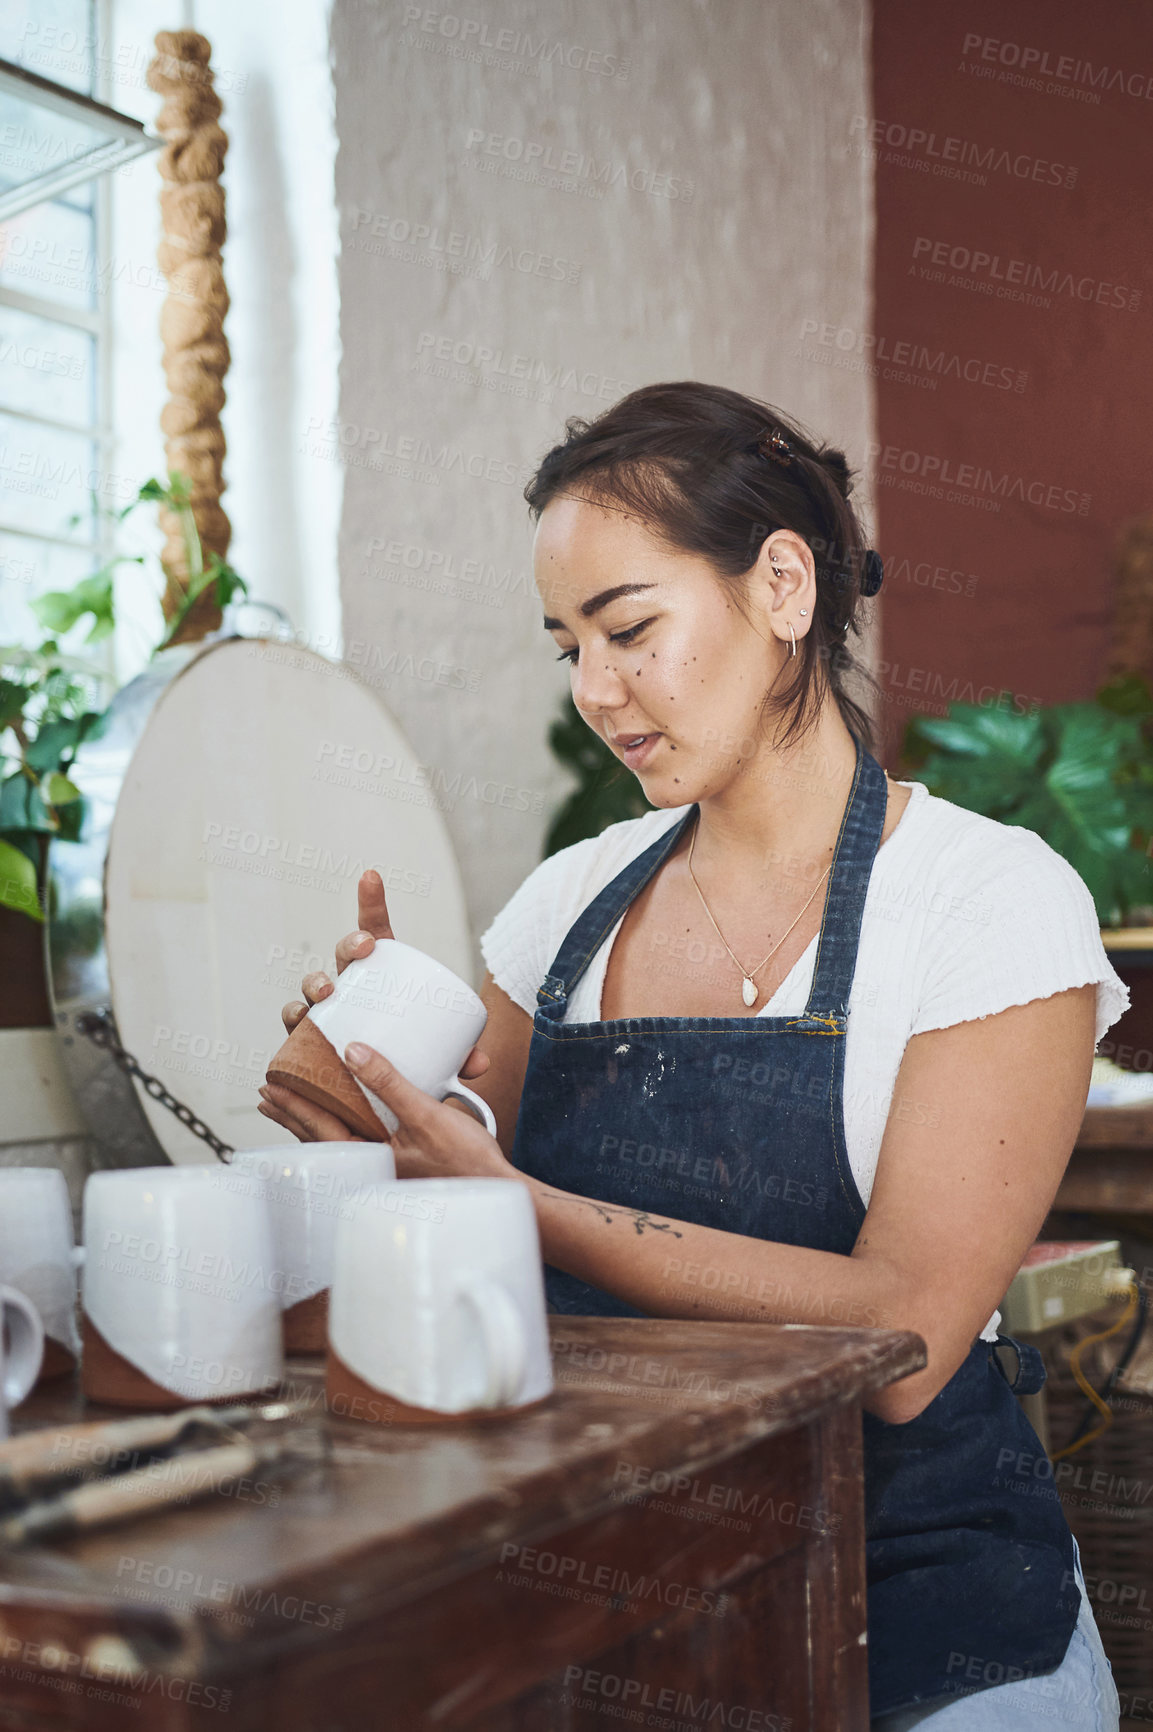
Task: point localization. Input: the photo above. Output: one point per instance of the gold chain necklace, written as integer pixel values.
(748, 983)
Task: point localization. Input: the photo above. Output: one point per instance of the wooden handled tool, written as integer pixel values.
(32, 1463)
(178, 1479)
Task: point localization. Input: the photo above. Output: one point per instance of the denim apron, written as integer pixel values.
(737, 1123)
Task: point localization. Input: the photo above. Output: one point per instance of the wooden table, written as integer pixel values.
(682, 1521)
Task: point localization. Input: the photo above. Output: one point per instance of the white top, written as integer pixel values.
(963, 918)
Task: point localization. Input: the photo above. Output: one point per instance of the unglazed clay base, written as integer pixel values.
(306, 1324)
(308, 1063)
(348, 1396)
(106, 1376)
(58, 1361)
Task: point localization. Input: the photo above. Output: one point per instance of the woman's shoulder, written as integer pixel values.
(962, 853)
(987, 915)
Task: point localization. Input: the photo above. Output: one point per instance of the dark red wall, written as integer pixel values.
(1028, 300)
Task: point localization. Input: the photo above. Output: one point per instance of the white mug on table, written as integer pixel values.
(38, 1253)
(180, 1280)
(308, 1190)
(420, 1015)
(438, 1295)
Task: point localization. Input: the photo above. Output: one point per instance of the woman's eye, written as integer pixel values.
(625, 637)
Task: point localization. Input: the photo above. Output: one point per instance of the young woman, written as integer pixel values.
(803, 1044)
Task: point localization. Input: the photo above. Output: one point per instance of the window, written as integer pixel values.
(55, 442)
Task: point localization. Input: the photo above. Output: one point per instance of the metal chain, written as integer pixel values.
(99, 1026)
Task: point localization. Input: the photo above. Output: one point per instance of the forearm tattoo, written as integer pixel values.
(608, 1213)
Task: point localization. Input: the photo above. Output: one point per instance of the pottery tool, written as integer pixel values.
(176, 1480)
(35, 1461)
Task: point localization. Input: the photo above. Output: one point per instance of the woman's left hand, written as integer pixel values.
(434, 1139)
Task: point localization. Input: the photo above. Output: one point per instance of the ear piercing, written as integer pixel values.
(804, 611)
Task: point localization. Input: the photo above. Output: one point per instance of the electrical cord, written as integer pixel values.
(1137, 1302)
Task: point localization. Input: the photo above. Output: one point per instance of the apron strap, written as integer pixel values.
(591, 928)
(857, 844)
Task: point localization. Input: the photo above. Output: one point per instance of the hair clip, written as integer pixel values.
(772, 443)
(873, 574)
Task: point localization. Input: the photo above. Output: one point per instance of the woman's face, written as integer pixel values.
(659, 649)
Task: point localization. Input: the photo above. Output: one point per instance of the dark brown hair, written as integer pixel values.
(684, 459)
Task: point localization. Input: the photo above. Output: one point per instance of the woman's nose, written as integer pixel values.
(596, 687)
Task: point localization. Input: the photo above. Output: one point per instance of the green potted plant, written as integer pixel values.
(1081, 776)
(606, 791)
(51, 701)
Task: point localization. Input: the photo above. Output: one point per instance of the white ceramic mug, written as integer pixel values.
(181, 1282)
(38, 1253)
(438, 1295)
(309, 1190)
(21, 1350)
(420, 1015)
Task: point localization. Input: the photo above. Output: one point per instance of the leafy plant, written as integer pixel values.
(1080, 775)
(46, 703)
(48, 700)
(203, 574)
(607, 791)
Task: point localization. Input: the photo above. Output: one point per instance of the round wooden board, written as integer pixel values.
(265, 781)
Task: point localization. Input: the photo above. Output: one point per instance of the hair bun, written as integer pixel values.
(873, 574)
(837, 465)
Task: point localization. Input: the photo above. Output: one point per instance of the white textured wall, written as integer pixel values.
(731, 214)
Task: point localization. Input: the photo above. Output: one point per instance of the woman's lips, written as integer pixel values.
(637, 754)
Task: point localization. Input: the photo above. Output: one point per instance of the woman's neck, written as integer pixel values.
(786, 803)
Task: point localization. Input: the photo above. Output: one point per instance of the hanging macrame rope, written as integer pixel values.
(192, 320)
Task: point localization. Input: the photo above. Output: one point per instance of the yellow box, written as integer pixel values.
(1060, 1282)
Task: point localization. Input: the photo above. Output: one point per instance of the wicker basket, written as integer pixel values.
(1106, 1490)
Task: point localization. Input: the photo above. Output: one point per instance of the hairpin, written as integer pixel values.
(873, 574)
(772, 443)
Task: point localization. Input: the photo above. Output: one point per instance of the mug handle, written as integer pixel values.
(479, 1109)
(505, 1343)
(21, 1350)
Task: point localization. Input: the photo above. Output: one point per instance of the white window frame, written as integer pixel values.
(96, 321)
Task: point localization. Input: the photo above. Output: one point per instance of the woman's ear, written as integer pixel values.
(787, 575)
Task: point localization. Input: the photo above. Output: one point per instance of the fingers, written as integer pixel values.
(433, 1138)
(352, 948)
(293, 1013)
(307, 1122)
(315, 987)
(415, 1109)
(374, 922)
(280, 1117)
(372, 909)
(475, 1064)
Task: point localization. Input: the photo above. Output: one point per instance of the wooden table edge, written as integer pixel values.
(692, 1436)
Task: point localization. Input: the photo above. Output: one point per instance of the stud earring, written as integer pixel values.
(804, 613)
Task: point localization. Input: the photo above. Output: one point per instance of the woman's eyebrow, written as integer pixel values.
(594, 605)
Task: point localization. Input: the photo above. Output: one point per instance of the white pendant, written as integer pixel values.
(749, 991)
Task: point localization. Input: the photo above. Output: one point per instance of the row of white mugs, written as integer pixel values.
(195, 1280)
